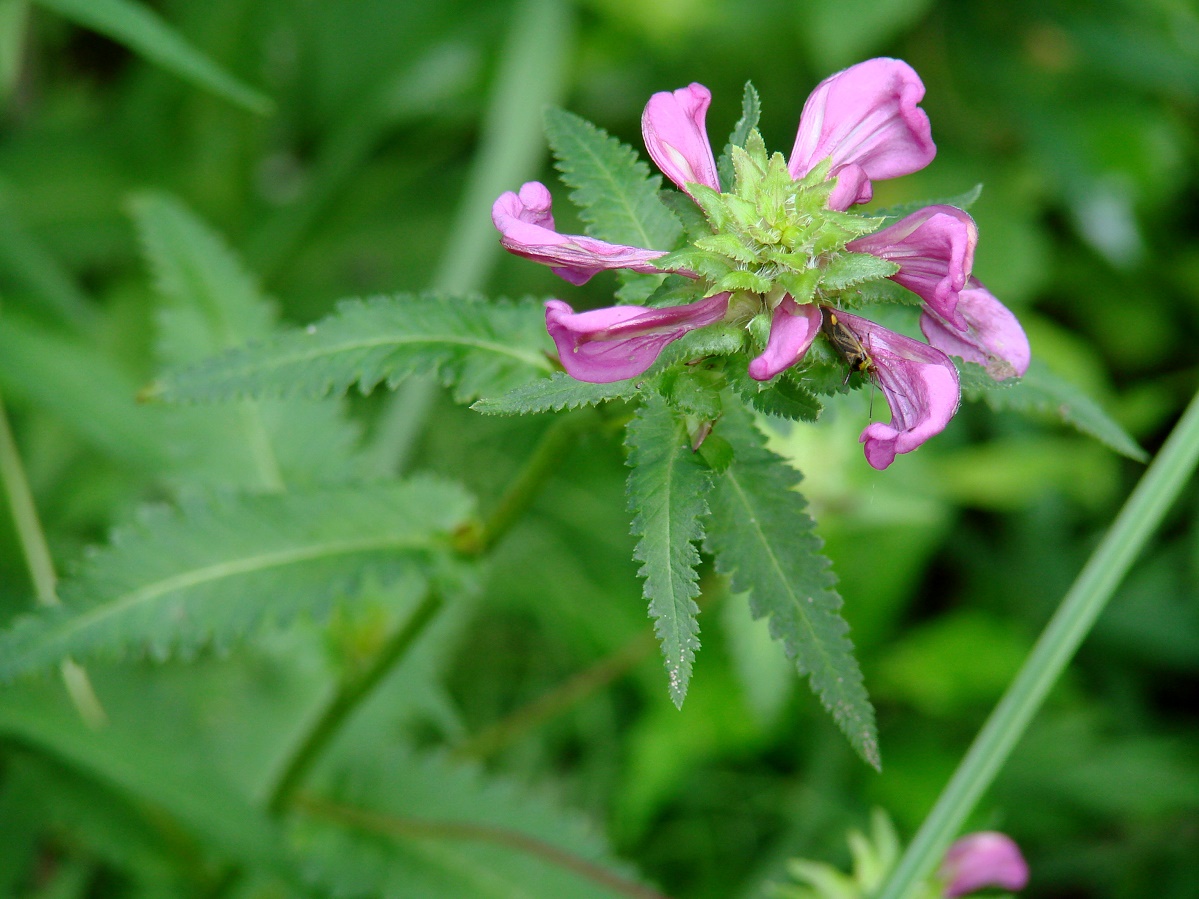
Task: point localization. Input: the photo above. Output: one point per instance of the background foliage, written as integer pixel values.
(165, 168)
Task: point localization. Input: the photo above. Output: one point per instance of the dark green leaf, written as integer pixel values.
(175, 581)
(965, 200)
(782, 397)
(473, 346)
(750, 111)
(764, 540)
(668, 486)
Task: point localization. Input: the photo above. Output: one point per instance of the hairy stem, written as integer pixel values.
(346, 699)
(1098, 579)
(420, 829)
(41, 564)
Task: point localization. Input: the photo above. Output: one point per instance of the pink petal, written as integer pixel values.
(792, 330)
(934, 249)
(526, 225)
(919, 382)
(993, 336)
(621, 342)
(677, 138)
(981, 860)
(865, 116)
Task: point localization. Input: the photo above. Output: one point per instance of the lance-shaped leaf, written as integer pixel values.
(668, 486)
(751, 109)
(615, 192)
(555, 393)
(763, 538)
(175, 581)
(1041, 391)
(473, 346)
(140, 28)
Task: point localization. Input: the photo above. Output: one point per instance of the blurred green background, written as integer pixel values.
(363, 177)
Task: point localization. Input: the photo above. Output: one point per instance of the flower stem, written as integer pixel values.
(41, 563)
(1141, 515)
(346, 699)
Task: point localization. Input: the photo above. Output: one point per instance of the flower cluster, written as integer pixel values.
(785, 247)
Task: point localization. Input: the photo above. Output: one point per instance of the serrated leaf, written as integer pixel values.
(473, 346)
(615, 192)
(850, 269)
(782, 397)
(763, 538)
(418, 826)
(751, 110)
(555, 393)
(667, 489)
(212, 304)
(175, 581)
(142, 30)
(1040, 390)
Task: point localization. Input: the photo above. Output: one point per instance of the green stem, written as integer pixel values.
(547, 457)
(346, 699)
(1095, 585)
(40, 563)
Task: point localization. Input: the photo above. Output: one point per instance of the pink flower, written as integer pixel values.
(526, 224)
(792, 330)
(867, 120)
(677, 139)
(919, 382)
(934, 249)
(993, 337)
(623, 341)
(981, 860)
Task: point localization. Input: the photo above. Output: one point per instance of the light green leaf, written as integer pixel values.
(668, 486)
(474, 346)
(407, 825)
(144, 32)
(849, 269)
(175, 581)
(1041, 391)
(763, 538)
(615, 192)
(555, 393)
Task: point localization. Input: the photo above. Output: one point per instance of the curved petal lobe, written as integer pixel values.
(677, 137)
(792, 330)
(865, 116)
(919, 382)
(620, 342)
(993, 336)
(934, 249)
(986, 859)
(526, 225)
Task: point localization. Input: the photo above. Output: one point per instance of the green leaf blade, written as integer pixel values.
(668, 486)
(555, 393)
(144, 32)
(615, 192)
(763, 538)
(473, 346)
(174, 582)
(1042, 391)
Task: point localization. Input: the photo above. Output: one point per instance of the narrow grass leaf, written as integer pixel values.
(144, 32)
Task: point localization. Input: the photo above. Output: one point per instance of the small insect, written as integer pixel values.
(847, 345)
